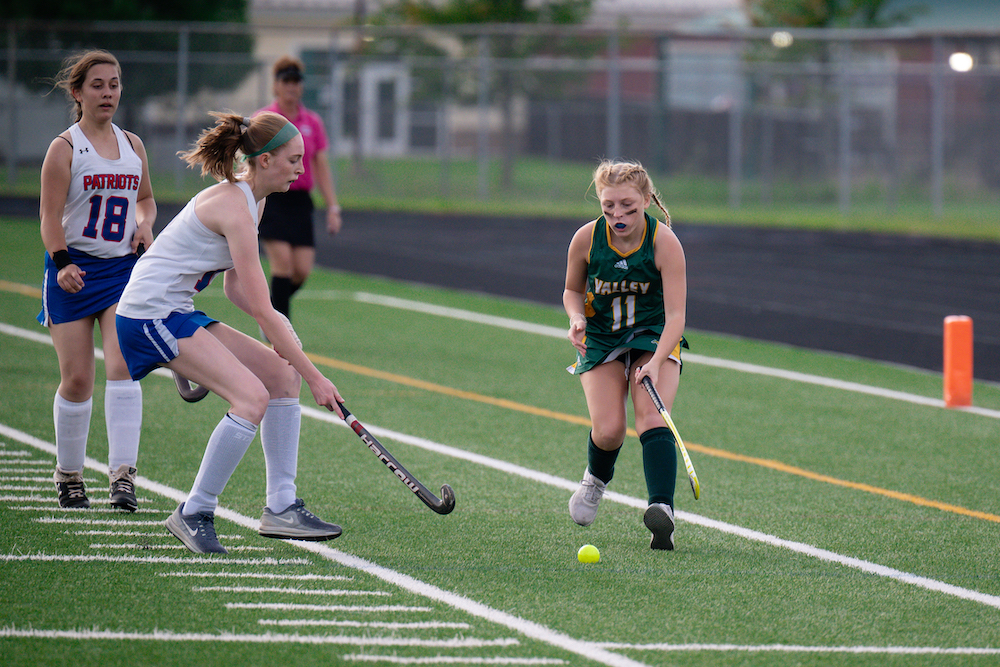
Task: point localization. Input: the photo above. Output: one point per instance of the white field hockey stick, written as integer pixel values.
(658, 402)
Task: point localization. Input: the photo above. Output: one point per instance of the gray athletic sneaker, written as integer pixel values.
(197, 531)
(584, 501)
(122, 491)
(297, 523)
(659, 518)
(72, 492)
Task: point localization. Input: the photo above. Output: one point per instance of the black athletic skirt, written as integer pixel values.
(288, 216)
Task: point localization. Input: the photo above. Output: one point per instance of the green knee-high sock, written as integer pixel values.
(659, 462)
(601, 462)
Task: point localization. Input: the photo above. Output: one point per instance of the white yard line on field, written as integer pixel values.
(556, 332)
(528, 628)
(791, 648)
(640, 503)
(265, 638)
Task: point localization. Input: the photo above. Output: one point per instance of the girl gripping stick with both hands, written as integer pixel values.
(97, 211)
(158, 326)
(626, 292)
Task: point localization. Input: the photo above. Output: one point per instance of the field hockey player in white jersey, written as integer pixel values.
(158, 326)
(97, 212)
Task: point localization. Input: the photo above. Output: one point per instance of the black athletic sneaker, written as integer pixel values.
(122, 492)
(297, 523)
(72, 492)
(659, 518)
(197, 531)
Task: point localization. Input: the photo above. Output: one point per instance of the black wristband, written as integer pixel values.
(62, 259)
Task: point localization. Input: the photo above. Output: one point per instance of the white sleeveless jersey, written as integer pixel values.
(99, 217)
(181, 262)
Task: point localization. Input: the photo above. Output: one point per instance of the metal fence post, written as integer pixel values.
(735, 156)
(12, 105)
(614, 102)
(183, 53)
(443, 135)
(843, 52)
(483, 139)
(937, 126)
(335, 105)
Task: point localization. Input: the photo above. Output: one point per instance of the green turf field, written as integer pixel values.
(846, 517)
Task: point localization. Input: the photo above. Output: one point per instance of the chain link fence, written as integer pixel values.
(842, 118)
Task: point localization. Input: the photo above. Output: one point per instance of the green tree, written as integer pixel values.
(829, 13)
(45, 31)
(127, 10)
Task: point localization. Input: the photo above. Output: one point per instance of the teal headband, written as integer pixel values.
(284, 135)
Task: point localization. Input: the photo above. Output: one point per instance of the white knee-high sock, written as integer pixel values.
(123, 415)
(72, 421)
(226, 447)
(279, 436)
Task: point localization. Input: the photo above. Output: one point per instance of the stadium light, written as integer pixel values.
(960, 61)
(782, 39)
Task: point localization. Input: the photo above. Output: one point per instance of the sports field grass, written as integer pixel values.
(846, 517)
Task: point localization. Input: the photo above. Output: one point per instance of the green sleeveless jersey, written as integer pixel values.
(624, 291)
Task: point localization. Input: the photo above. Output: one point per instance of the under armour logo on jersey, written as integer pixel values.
(621, 264)
(85, 149)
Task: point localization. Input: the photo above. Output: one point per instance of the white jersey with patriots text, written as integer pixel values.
(99, 218)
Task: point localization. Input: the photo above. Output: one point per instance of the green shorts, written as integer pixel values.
(602, 349)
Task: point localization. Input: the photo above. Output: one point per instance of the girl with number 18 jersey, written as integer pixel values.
(97, 211)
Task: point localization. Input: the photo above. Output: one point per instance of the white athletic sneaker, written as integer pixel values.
(659, 518)
(584, 501)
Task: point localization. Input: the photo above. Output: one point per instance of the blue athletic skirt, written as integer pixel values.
(103, 285)
(148, 344)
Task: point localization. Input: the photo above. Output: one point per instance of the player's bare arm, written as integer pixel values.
(55, 180)
(574, 293)
(145, 205)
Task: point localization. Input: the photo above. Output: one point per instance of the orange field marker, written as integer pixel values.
(957, 361)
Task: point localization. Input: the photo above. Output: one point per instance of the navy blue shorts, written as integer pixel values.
(148, 344)
(103, 285)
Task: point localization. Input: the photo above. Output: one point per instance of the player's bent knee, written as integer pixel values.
(251, 403)
(285, 382)
(607, 438)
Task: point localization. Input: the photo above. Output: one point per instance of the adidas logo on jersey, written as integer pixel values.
(621, 264)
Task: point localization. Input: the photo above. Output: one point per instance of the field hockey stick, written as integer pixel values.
(443, 505)
(190, 392)
(658, 402)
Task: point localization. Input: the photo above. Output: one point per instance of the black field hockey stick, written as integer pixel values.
(189, 391)
(443, 505)
(658, 402)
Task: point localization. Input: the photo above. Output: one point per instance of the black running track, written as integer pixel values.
(874, 296)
